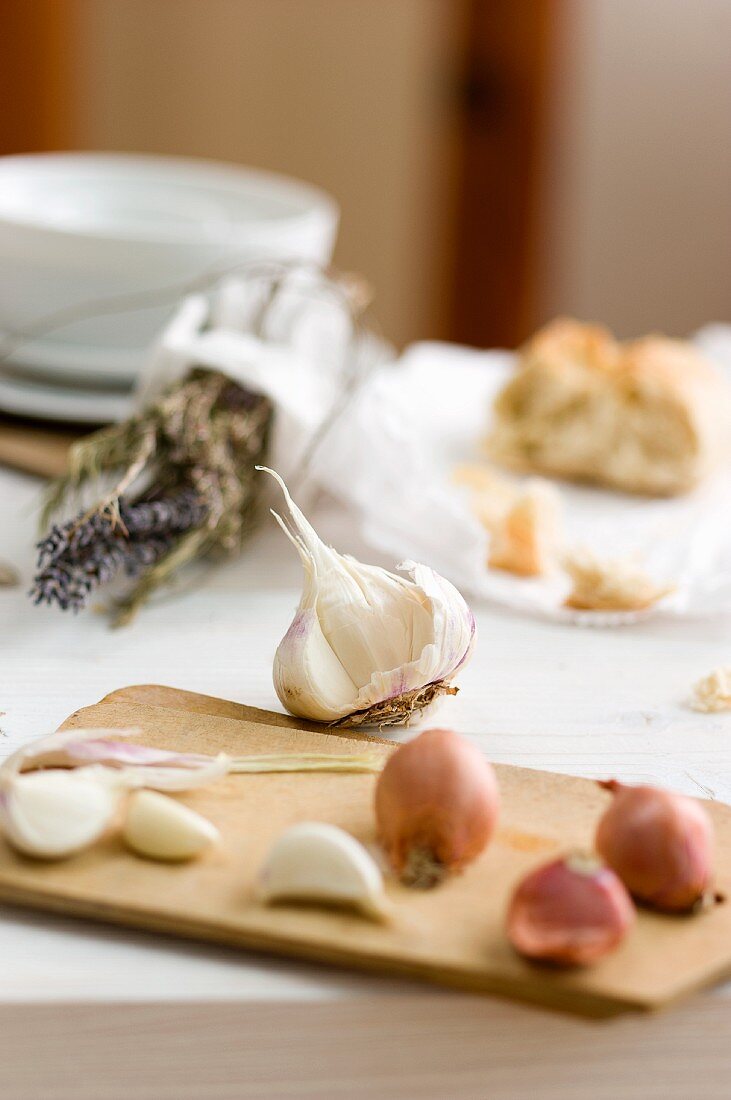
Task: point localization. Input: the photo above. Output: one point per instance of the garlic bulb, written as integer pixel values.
(158, 827)
(314, 862)
(367, 646)
(54, 814)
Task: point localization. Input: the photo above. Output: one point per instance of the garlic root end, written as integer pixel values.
(399, 710)
(423, 870)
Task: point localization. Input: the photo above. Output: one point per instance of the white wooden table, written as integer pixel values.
(90, 1011)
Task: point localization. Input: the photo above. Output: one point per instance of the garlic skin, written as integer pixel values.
(117, 761)
(437, 802)
(659, 843)
(570, 912)
(158, 827)
(320, 863)
(366, 645)
(55, 814)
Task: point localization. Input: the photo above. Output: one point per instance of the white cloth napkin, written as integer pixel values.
(390, 451)
(431, 412)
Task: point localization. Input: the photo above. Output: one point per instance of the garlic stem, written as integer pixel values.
(305, 762)
(137, 765)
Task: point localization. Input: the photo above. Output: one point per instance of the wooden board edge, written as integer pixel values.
(583, 1004)
(179, 699)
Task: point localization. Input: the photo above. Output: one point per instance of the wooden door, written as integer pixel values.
(36, 75)
(509, 46)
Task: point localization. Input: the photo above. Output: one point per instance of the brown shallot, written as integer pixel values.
(437, 803)
(659, 843)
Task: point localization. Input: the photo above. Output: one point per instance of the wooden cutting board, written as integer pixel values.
(36, 448)
(452, 935)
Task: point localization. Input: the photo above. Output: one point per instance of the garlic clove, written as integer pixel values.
(54, 814)
(319, 863)
(158, 827)
(366, 645)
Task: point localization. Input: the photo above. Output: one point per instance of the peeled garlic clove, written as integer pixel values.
(315, 862)
(570, 912)
(54, 814)
(161, 828)
(659, 843)
(437, 803)
(366, 645)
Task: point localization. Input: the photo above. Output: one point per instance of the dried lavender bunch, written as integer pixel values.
(89, 551)
(205, 434)
(193, 451)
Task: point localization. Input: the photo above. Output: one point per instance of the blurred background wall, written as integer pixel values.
(496, 161)
(637, 215)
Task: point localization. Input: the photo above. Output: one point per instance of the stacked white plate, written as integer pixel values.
(96, 251)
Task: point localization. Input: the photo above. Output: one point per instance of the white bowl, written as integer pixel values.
(78, 228)
(63, 404)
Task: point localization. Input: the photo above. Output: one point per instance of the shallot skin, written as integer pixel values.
(660, 844)
(569, 912)
(437, 803)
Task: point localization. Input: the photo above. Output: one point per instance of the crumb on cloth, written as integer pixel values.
(610, 584)
(522, 519)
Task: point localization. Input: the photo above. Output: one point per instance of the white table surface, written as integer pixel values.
(586, 702)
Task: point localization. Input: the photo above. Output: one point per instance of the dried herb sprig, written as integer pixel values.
(182, 486)
(204, 435)
(89, 551)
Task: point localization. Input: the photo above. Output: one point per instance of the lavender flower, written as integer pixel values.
(89, 551)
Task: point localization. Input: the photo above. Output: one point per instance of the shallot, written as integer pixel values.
(437, 802)
(571, 912)
(659, 843)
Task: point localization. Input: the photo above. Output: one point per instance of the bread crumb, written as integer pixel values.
(524, 521)
(713, 692)
(610, 584)
(491, 494)
(527, 541)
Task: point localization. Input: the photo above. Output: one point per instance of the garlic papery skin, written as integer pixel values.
(367, 646)
(55, 814)
(318, 863)
(108, 751)
(158, 827)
